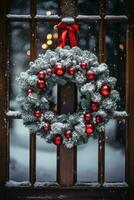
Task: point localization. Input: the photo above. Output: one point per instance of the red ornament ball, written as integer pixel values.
(71, 71)
(91, 75)
(29, 91)
(57, 140)
(68, 134)
(46, 128)
(87, 117)
(98, 119)
(37, 114)
(41, 84)
(105, 90)
(94, 106)
(49, 72)
(41, 74)
(83, 65)
(89, 129)
(59, 70)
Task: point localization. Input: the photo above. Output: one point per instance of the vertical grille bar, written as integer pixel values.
(4, 136)
(127, 92)
(66, 158)
(101, 141)
(32, 164)
(66, 168)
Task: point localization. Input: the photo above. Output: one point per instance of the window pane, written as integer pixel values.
(19, 7)
(19, 151)
(46, 153)
(46, 161)
(47, 7)
(88, 7)
(87, 161)
(88, 37)
(18, 61)
(115, 56)
(115, 151)
(46, 37)
(115, 7)
(115, 131)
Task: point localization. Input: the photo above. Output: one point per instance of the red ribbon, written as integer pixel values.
(67, 29)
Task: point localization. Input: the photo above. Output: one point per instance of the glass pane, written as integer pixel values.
(115, 151)
(115, 7)
(19, 57)
(46, 157)
(88, 37)
(47, 36)
(115, 131)
(88, 7)
(19, 7)
(87, 161)
(19, 151)
(87, 154)
(47, 7)
(115, 56)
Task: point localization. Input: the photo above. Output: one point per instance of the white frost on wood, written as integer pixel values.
(15, 114)
(45, 184)
(122, 114)
(18, 184)
(68, 20)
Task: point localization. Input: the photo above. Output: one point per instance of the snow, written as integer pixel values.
(46, 157)
(120, 114)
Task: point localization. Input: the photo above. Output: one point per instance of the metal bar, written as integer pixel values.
(4, 135)
(120, 115)
(101, 140)
(32, 167)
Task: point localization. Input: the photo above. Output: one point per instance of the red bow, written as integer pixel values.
(70, 30)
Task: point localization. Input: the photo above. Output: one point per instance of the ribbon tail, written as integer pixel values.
(62, 39)
(72, 38)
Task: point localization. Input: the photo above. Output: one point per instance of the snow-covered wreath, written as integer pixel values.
(98, 98)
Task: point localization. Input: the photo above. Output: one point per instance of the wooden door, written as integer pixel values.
(66, 186)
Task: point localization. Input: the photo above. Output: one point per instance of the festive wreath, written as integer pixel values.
(98, 99)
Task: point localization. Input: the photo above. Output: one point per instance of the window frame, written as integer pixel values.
(101, 188)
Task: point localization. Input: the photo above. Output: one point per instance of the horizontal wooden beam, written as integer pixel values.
(13, 17)
(119, 115)
(116, 18)
(88, 18)
(26, 184)
(79, 192)
(79, 18)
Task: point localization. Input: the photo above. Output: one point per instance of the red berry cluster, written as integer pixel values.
(89, 126)
(60, 70)
(41, 83)
(57, 139)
